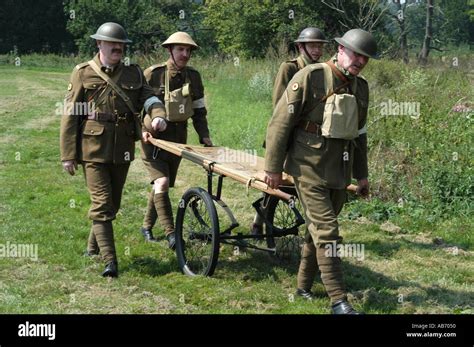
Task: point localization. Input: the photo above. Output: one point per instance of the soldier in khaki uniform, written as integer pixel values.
(99, 131)
(310, 44)
(180, 87)
(318, 135)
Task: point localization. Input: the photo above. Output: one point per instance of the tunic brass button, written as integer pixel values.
(131, 87)
(92, 131)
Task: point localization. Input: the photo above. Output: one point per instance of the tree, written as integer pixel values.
(450, 23)
(250, 27)
(370, 15)
(400, 19)
(38, 26)
(363, 14)
(425, 50)
(148, 23)
(455, 26)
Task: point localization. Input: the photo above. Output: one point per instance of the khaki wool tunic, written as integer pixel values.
(285, 73)
(160, 163)
(84, 139)
(328, 162)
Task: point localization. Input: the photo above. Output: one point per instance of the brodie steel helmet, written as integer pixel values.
(112, 32)
(180, 38)
(311, 35)
(360, 41)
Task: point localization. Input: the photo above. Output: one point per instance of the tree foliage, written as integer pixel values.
(250, 27)
(244, 27)
(33, 26)
(148, 23)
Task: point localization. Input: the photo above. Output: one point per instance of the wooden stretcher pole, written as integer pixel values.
(223, 170)
(254, 183)
(220, 169)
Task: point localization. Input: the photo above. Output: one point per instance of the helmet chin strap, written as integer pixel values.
(172, 56)
(307, 54)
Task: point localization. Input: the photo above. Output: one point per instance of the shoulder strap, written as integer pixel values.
(187, 79)
(152, 68)
(341, 76)
(156, 66)
(112, 84)
(328, 82)
(81, 65)
(329, 67)
(327, 78)
(167, 81)
(167, 85)
(300, 63)
(338, 73)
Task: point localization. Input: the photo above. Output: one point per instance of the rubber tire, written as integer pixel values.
(190, 196)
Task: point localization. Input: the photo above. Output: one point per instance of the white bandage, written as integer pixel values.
(199, 103)
(158, 190)
(161, 185)
(150, 101)
(363, 130)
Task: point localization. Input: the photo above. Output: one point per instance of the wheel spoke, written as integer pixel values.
(197, 223)
(282, 217)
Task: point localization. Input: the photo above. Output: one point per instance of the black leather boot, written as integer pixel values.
(111, 270)
(306, 294)
(148, 235)
(88, 253)
(343, 307)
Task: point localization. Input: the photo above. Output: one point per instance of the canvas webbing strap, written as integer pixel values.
(112, 84)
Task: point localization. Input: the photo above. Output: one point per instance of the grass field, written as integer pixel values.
(417, 227)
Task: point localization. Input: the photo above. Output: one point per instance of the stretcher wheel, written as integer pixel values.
(287, 244)
(197, 233)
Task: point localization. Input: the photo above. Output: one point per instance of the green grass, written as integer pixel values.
(416, 228)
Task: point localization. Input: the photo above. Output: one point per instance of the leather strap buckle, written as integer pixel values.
(306, 126)
(309, 126)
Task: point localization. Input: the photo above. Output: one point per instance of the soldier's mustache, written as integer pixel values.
(116, 50)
